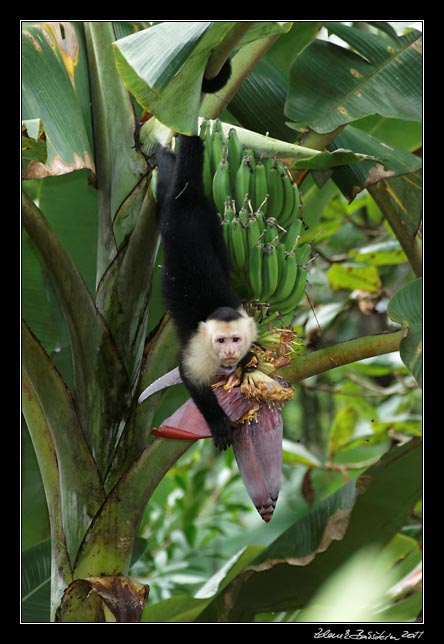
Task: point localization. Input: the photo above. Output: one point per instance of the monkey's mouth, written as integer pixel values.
(229, 362)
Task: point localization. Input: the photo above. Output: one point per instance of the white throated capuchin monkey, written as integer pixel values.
(212, 326)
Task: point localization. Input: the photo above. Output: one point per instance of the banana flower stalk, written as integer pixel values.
(253, 399)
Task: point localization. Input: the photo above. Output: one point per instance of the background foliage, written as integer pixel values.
(199, 531)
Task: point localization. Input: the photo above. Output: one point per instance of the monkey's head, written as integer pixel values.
(230, 333)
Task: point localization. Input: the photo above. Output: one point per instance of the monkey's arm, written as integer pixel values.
(206, 402)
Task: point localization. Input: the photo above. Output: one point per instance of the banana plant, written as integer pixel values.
(104, 337)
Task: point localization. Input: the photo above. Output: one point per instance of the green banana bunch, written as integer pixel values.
(264, 182)
(259, 206)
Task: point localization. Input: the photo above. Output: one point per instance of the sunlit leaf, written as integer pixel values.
(297, 453)
(342, 429)
(352, 277)
(343, 597)
(379, 254)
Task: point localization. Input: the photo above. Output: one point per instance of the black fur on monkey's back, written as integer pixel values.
(196, 277)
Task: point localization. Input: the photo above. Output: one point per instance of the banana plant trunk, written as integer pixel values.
(98, 465)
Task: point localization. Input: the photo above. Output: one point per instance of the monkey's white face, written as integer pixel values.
(230, 341)
(218, 343)
(229, 348)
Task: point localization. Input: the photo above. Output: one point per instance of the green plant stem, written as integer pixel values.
(319, 141)
(341, 354)
(409, 245)
(118, 520)
(222, 51)
(242, 64)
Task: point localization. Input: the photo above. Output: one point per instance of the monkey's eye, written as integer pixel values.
(221, 340)
(236, 339)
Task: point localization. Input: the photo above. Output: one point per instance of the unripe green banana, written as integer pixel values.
(270, 272)
(226, 225)
(229, 212)
(275, 192)
(242, 183)
(238, 239)
(287, 279)
(217, 126)
(260, 201)
(255, 230)
(271, 231)
(289, 209)
(235, 149)
(255, 270)
(260, 218)
(302, 253)
(298, 291)
(248, 154)
(205, 135)
(268, 162)
(221, 186)
(203, 128)
(243, 216)
(281, 257)
(292, 235)
(218, 149)
(297, 198)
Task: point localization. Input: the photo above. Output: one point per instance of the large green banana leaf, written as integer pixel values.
(56, 91)
(260, 100)
(380, 73)
(406, 308)
(351, 179)
(301, 558)
(177, 46)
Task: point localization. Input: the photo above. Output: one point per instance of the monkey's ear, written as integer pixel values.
(204, 332)
(252, 329)
(202, 328)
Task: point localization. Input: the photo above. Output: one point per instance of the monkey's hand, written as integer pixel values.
(221, 431)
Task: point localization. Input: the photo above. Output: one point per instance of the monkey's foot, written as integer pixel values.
(222, 435)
